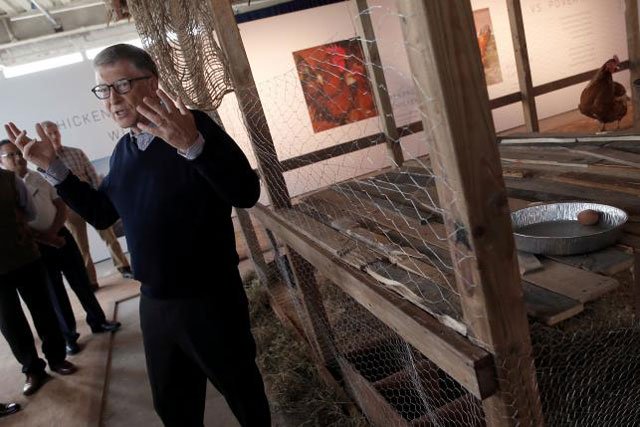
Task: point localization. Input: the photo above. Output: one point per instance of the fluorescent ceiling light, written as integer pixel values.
(91, 53)
(45, 64)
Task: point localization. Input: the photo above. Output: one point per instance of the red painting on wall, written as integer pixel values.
(335, 84)
(488, 47)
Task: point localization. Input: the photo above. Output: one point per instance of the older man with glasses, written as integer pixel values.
(173, 180)
(79, 164)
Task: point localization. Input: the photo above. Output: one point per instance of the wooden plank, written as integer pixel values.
(468, 364)
(608, 154)
(635, 285)
(528, 262)
(379, 84)
(228, 36)
(608, 261)
(375, 407)
(544, 189)
(632, 22)
(463, 411)
(523, 68)
(271, 173)
(572, 282)
(447, 71)
(253, 246)
(572, 80)
(547, 306)
(437, 301)
(626, 186)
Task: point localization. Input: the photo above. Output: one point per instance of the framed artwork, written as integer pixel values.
(487, 44)
(335, 84)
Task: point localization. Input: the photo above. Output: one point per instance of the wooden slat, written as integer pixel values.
(379, 84)
(505, 100)
(608, 154)
(471, 366)
(572, 282)
(572, 80)
(602, 183)
(547, 306)
(461, 412)
(523, 68)
(547, 190)
(375, 407)
(608, 261)
(447, 71)
(633, 43)
(271, 173)
(438, 301)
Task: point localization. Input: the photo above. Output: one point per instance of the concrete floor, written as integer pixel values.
(128, 398)
(85, 398)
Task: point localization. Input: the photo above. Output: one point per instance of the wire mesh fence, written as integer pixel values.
(320, 133)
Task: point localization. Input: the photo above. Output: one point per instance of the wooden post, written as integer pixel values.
(522, 65)
(633, 42)
(379, 84)
(228, 35)
(447, 70)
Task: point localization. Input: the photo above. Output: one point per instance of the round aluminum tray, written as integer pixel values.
(553, 229)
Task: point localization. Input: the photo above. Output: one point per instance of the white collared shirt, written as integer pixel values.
(43, 195)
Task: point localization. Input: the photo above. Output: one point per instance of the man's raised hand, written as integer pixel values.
(173, 122)
(39, 152)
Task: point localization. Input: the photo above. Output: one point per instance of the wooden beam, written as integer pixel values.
(468, 364)
(522, 65)
(633, 42)
(253, 247)
(347, 147)
(228, 35)
(249, 101)
(572, 80)
(447, 70)
(379, 84)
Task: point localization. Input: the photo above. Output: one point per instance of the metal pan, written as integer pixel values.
(553, 229)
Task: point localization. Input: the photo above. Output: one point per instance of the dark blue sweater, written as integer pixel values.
(176, 212)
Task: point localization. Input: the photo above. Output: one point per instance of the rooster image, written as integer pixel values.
(603, 99)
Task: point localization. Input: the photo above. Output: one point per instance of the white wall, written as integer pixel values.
(565, 37)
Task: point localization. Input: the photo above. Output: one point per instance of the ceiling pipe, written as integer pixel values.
(56, 25)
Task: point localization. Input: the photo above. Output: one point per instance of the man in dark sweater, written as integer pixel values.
(173, 180)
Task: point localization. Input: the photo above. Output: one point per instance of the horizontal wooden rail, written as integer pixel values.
(514, 97)
(346, 148)
(469, 365)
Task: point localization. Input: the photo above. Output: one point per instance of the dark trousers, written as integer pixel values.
(30, 282)
(68, 260)
(188, 341)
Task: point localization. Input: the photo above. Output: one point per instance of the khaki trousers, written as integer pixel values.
(78, 228)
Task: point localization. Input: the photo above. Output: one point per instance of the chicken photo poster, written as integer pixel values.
(487, 44)
(335, 84)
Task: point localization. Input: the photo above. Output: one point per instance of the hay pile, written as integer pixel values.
(296, 393)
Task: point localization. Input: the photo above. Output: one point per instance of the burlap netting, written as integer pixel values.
(179, 35)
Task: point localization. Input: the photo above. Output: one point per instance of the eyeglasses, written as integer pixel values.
(122, 86)
(17, 154)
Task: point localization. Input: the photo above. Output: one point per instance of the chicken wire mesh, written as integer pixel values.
(319, 125)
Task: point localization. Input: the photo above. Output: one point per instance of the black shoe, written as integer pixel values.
(106, 326)
(33, 382)
(126, 272)
(8, 409)
(63, 368)
(72, 348)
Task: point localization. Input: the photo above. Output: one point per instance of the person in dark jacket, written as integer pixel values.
(22, 273)
(173, 180)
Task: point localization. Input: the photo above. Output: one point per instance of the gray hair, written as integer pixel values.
(139, 58)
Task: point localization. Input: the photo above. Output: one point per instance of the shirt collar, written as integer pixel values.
(142, 139)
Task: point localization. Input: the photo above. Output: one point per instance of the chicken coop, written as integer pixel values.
(398, 266)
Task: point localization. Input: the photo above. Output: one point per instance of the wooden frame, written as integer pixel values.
(446, 67)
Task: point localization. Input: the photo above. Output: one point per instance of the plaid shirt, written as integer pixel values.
(79, 164)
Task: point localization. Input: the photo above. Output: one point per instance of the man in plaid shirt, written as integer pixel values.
(77, 161)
